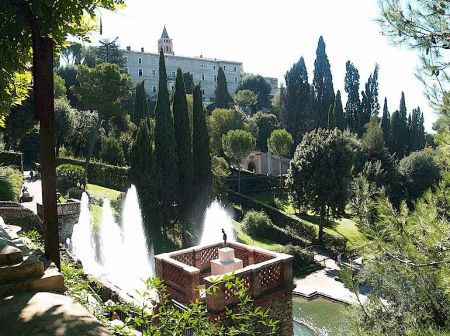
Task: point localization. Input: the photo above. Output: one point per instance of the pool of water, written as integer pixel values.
(323, 314)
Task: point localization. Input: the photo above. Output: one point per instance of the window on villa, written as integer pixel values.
(203, 76)
(140, 60)
(153, 72)
(140, 72)
(235, 79)
(154, 89)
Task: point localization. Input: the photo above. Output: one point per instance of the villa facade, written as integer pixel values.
(143, 66)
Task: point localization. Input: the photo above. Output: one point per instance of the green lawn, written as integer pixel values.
(344, 227)
(98, 192)
(244, 238)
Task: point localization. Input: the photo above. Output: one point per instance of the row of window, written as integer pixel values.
(171, 88)
(203, 66)
(172, 74)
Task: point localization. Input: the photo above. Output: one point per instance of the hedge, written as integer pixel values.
(251, 183)
(69, 176)
(303, 262)
(102, 174)
(13, 159)
(295, 228)
(11, 180)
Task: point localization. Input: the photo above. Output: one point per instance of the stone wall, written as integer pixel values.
(280, 305)
(65, 226)
(15, 214)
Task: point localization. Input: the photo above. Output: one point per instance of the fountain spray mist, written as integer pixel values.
(216, 218)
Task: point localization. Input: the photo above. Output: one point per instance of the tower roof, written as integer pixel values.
(164, 33)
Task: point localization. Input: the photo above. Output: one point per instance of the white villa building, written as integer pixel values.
(143, 66)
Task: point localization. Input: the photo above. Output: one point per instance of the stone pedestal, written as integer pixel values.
(226, 262)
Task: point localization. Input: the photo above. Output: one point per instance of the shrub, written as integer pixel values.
(10, 184)
(420, 171)
(303, 260)
(256, 223)
(70, 176)
(102, 174)
(13, 159)
(111, 152)
(75, 192)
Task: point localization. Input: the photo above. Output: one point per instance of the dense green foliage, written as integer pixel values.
(102, 174)
(64, 121)
(246, 100)
(420, 171)
(222, 98)
(220, 122)
(140, 104)
(11, 181)
(111, 152)
(295, 102)
(237, 144)
(165, 145)
(255, 223)
(184, 155)
(201, 157)
(70, 176)
(246, 319)
(320, 174)
(10, 158)
(102, 89)
(144, 174)
(258, 85)
(322, 85)
(266, 123)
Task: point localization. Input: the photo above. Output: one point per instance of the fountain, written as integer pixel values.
(216, 218)
(117, 254)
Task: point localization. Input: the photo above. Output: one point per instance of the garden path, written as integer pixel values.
(35, 189)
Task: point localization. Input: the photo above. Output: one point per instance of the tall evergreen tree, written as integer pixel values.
(372, 92)
(402, 135)
(201, 154)
(295, 102)
(140, 104)
(331, 122)
(416, 131)
(165, 148)
(223, 98)
(184, 152)
(352, 106)
(364, 112)
(395, 143)
(339, 112)
(144, 174)
(385, 121)
(322, 84)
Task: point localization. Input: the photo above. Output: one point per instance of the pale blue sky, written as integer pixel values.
(269, 36)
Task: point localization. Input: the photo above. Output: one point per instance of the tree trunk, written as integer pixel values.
(94, 135)
(321, 224)
(44, 111)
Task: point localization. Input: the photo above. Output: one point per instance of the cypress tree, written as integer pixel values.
(364, 112)
(339, 112)
(416, 131)
(322, 84)
(352, 107)
(395, 131)
(372, 92)
(421, 136)
(331, 123)
(201, 154)
(144, 174)
(140, 104)
(165, 148)
(184, 152)
(402, 135)
(385, 121)
(223, 98)
(295, 111)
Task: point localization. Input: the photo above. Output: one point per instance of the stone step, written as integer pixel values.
(9, 254)
(30, 267)
(50, 281)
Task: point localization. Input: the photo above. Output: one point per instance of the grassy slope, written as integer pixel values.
(343, 227)
(242, 237)
(96, 191)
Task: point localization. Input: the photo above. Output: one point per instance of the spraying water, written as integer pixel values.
(216, 218)
(121, 256)
(82, 241)
(137, 256)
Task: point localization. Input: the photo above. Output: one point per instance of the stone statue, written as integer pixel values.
(224, 237)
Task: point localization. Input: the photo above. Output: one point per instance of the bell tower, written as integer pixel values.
(165, 42)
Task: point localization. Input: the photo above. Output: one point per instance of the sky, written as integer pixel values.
(270, 36)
